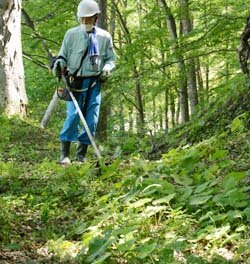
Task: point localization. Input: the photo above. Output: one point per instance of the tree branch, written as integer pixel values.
(39, 63)
(30, 24)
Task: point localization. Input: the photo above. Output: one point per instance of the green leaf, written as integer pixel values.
(152, 210)
(232, 179)
(97, 248)
(219, 154)
(190, 158)
(102, 258)
(166, 199)
(127, 246)
(183, 179)
(140, 203)
(237, 125)
(81, 228)
(146, 249)
(202, 187)
(151, 189)
(198, 200)
(247, 212)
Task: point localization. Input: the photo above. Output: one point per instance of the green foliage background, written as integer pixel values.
(176, 197)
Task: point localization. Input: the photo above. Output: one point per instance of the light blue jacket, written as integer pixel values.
(74, 45)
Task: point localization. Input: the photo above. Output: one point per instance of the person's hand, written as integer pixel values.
(106, 71)
(59, 67)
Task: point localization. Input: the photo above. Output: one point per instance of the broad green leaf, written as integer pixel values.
(97, 248)
(151, 189)
(101, 258)
(190, 158)
(81, 228)
(152, 210)
(127, 245)
(219, 154)
(237, 125)
(202, 187)
(166, 199)
(110, 171)
(232, 179)
(140, 203)
(183, 179)
(146, 249)
(247, 212)
(198, 200)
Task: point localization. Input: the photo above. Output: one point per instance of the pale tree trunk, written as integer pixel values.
(190, 65)
(207, 60)
(131, 119)
(227, 70)
(165, 75)
(200, 82)
(181, 65)
(154, 113)
(13, 98)
(177, 113)
(166, 99)
(172, 108)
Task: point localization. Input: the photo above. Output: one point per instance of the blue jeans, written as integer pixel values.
(89, 102)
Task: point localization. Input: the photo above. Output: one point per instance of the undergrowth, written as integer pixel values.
(231, 100)
(190, 206)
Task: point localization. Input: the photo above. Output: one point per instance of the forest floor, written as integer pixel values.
(192, 205)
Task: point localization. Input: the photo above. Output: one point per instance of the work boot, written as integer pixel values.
(81, 152)
(65, 150)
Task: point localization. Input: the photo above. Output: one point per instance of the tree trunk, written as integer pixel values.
(161, 118)
(139, 102)
(138, 93)
(131, 120)
(154, 113)
(181, 65)
(112, 20)
(102, 18)
(166, 95)
(13, 98)
(200, 82)
(190, 65)
(172, 108)
(207, 69)
(177, 113)
(105, 110)
(122, 119)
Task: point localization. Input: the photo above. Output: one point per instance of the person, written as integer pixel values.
(97, 46)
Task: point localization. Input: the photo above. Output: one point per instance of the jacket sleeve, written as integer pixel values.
(110, 56)
(64, 49)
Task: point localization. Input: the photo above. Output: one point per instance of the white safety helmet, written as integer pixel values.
(87, 8)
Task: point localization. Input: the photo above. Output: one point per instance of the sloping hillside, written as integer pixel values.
(190, 206)
(232, 100)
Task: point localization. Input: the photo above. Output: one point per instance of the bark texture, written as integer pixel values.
(13, 98)
(181, 65)
(102, 130)
(190, 65)
(244, 48)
